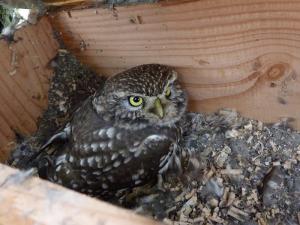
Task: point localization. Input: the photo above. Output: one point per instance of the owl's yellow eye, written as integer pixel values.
(168, 92)
(135, 101)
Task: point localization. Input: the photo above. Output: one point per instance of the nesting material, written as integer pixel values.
(248, 174)
(236, 170)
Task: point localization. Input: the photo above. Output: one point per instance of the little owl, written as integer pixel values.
(123, 135)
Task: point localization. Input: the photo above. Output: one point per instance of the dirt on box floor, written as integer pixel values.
(239, 171)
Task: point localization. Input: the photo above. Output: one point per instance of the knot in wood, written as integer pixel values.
(276, 71)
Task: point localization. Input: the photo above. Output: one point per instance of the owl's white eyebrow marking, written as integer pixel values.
(111, 132)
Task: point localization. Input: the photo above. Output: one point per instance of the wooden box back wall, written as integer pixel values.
(241, 54)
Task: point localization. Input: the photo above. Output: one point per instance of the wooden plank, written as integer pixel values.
(35, 201)
(242, 54)
(67, 3)
(24, 81)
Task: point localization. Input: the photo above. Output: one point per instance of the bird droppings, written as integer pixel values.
(236, 170)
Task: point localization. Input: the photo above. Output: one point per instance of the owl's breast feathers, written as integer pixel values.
(101, 157)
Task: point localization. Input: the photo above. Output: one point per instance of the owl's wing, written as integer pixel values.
(120, 157)
(102, 152)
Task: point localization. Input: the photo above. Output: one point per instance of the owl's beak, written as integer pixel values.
(158, 108)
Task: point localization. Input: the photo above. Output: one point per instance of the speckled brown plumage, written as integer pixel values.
(110, 144)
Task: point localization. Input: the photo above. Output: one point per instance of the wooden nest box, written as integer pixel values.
(241, 54)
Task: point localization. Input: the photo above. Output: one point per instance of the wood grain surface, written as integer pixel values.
(67, 3)
(24, 81)
(242, 54)
(28, 201)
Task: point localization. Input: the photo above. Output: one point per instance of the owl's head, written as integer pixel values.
(146, 93)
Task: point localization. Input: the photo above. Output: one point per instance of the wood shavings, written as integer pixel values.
(13, 62)
(189, 206)
(137, 19)
(13, 72)
(237, 214)
(222, 157)
(231, 171)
